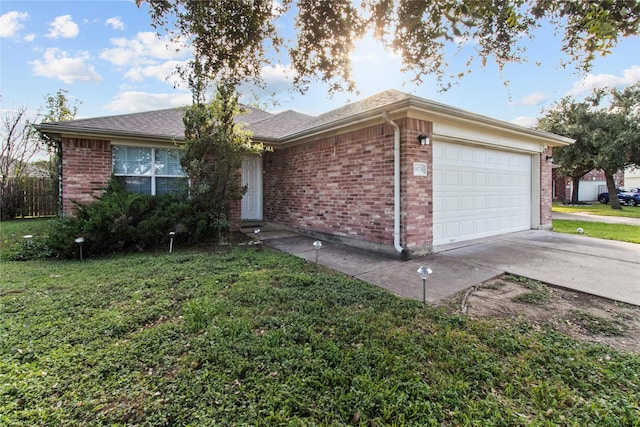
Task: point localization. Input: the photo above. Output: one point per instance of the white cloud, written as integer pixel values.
(115, 23)
(532, 99)
(11, 23)
(165, 72)
(57, 64)
(134, 101)
(63, 26)
(591, 81)
(144, 48)
(528, 122)
(278, 81)
(29, 37)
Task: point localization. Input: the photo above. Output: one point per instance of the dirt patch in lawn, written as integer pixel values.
(582, 316)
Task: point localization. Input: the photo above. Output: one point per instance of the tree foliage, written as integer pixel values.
(58, 110)
(606, 126)
(571, 119)
(236, 38)
(18, 146)
(215, 144)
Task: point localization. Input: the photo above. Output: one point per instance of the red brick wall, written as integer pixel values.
(417, 191)
(546, 190)
(86, 169)
(343, 186)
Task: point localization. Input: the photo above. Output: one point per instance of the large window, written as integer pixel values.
(148, 170)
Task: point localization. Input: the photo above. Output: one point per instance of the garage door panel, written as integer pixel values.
(451, 177)
(466, 204)
(467, 226)
(466, 179)
(451, 205)
(484, 192)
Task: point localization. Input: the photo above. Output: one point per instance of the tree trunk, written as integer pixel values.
(574, 190)
(611, 188)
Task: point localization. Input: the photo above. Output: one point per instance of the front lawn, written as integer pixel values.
(599, 209)
(12, 232)
(256, 337)
(601, 230)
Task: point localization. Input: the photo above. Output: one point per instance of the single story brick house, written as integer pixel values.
(394, 173)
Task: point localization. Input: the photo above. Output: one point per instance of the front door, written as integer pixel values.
(252, 179)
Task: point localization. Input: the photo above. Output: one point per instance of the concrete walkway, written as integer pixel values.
(599, 267)
(584, 216)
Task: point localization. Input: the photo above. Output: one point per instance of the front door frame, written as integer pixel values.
(251, 205)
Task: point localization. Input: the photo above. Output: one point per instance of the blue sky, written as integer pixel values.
(105, 54)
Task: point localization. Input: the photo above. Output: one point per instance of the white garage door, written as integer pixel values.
(588, 190)
(479, 192)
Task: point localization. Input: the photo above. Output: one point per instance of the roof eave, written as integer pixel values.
(348, 121)
(438, 109)
(107, 134)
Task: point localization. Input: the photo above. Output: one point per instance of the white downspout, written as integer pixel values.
(396, 184)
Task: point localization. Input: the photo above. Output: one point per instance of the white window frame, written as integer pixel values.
(152, 175)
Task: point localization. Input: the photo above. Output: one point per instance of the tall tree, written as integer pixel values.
(58, 110)
(215, 144)
(570, 118)
(606, 126)
(236, 38)
(18, 145)
(617, 132)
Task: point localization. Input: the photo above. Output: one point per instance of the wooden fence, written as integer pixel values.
(36, 197)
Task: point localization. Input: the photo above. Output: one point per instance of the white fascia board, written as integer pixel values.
(436, 112)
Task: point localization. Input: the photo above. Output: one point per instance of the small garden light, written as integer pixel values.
(317, 245)
(172, 234)
(80, 241)
(257, 233)
(424, 272)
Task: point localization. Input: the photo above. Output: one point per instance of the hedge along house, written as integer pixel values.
(393, 173)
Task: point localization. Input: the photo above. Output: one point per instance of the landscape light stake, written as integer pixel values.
(172, 234)
(317, 245)
(257, 233)
(80, 241)
(424, 272)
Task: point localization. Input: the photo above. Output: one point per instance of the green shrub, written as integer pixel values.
(119, 221)
(36, 247)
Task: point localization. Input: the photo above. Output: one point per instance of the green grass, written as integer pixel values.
(620, 232)
(599, 209)
(538, 294)
(599, 325)
(13, 232)
(257, 337)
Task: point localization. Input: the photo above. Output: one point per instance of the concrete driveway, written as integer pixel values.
(595, 266)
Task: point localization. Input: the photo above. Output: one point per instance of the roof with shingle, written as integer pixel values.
(168, 124)
(355, 108)
(285, 127)
(279, 125)
(162, 124)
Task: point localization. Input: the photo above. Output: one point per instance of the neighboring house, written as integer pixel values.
(632, 177)
(393, 173)
(591, 185)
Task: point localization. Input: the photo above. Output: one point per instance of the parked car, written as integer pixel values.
(604, 197)
(631, 197)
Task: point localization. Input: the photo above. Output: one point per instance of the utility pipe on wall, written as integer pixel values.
(396, 185)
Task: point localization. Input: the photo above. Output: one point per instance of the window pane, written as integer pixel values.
(170, 185)
(136, 184)
(131, 160)
(168, 162)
